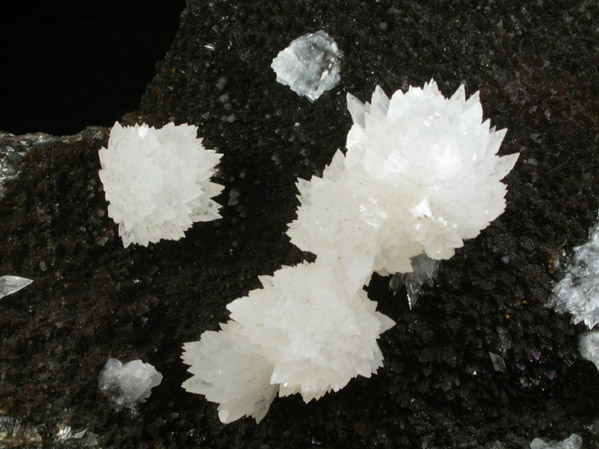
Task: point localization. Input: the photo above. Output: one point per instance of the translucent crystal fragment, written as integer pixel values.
(12, 284)
(588, 345)
(127, 384)
(424, 271)
(498, 362)
(578, 292)
(574, 441)
(310, 65)
(14, 433)
(75, 438)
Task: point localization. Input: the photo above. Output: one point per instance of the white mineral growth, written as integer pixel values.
(310, 65)
(127, 384)
(424, 270)
(231, 372)
(305, 331)
(574, 441)
(578, 292)
(157, 181)
(11, 284)
(588, 345)
(421, 175)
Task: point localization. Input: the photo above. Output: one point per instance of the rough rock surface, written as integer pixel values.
(91, 298)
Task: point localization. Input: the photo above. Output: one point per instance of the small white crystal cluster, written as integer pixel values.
(157, 181)
(588, 345)
(578, 292)
(574, 441)
(421, 174)
(310, 65)
(127, 384)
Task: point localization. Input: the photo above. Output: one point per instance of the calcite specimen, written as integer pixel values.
(310, 65)
(157, 181)
(420, 175)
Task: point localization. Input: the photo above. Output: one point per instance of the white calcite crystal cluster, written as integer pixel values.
(129, 383)
(420, 175)
(310, 65)
(578, 292)
(157, 181)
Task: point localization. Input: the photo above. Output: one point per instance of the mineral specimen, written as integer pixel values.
(421, 175)
(578, 292)
(12, 284)
(310, 65)
(158, 181)
(127, 384)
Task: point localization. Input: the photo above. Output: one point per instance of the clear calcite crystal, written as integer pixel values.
(310, 65)
(421, 175)
(157, 181)
(306, 331)
(12, 284)
(578, 292)
(127, 384)
(424, 270)
(574, 441)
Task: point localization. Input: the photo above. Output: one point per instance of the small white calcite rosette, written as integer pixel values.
(127, 384)
(421, 175)
(306, 331)
(157, 181)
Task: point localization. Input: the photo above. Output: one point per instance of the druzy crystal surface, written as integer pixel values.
(310, 65)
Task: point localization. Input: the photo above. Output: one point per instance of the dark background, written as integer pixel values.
(66, 65)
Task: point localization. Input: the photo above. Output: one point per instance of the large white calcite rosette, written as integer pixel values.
(157, 181)
(305, 331)
(421, 175)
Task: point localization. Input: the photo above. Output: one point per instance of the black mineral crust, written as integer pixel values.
(536, 68)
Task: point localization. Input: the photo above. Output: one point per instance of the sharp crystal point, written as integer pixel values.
(11, 284)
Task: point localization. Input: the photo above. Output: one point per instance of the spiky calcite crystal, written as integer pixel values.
(157, 181)
(305, 331)
(421, 175)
